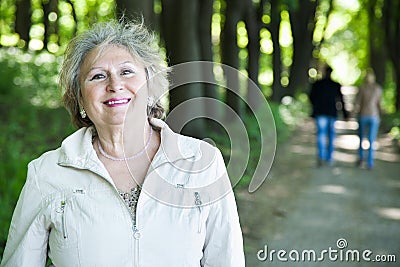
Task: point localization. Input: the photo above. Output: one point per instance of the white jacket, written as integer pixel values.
(70, 210)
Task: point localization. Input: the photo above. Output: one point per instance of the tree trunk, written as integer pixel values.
(181, 34)
(137, 8)
(230, 52)
(23, 21)
(49, 27)
(253, 22)
(397, 80)
(302, 23)
(377, 55)
(206, 54)
(46, 22)
(391, 16)
(277, 90)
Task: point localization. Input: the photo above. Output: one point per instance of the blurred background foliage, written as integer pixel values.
(32, 120)
(280, 44)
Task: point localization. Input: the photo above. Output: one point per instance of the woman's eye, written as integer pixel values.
(97, 77)
(127, 72)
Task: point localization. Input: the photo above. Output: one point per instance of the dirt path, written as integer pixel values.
(302, 209)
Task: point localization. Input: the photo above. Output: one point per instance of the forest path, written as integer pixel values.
(302, 209)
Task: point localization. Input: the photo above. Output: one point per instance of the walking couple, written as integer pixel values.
(327, 100)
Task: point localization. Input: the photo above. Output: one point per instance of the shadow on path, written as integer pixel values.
(302, 209)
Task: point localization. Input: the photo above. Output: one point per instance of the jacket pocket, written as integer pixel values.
(60, 222)
(63, 232)
(202, 212)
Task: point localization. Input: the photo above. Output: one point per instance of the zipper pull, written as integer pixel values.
(64, 227)
(136, 233)
(198, 203)
(197, 200)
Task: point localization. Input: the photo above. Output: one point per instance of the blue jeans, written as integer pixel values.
(368, 127)
(325, 136)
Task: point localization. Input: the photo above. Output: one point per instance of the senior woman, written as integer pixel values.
(124, 189)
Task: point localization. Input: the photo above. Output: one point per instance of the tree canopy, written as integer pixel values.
(280, 44)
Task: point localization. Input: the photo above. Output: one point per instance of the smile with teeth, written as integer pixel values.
(114, 102)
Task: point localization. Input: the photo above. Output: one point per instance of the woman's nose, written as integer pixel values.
(114, 83)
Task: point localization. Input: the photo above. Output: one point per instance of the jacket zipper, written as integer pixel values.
(135, 233)
(198, 203)
(63, 225)
(136, 236)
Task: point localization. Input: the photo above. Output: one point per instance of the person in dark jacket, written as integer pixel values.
(325, 96)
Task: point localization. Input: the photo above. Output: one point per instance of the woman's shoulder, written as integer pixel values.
(186, 146)
(195, 144)
(47, 157)
(204, 153)
(52, 157)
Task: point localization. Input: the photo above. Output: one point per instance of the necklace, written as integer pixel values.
(103, 153)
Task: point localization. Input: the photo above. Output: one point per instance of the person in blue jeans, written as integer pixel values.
(324, 96)
(368, 107)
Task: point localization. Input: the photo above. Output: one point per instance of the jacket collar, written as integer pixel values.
(77, 149)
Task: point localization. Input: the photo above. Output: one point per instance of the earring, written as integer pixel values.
(150, 101)
(83, 113)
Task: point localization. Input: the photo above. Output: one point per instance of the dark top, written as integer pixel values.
(324, 96)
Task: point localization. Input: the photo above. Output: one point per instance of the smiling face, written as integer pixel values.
(111, 79)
